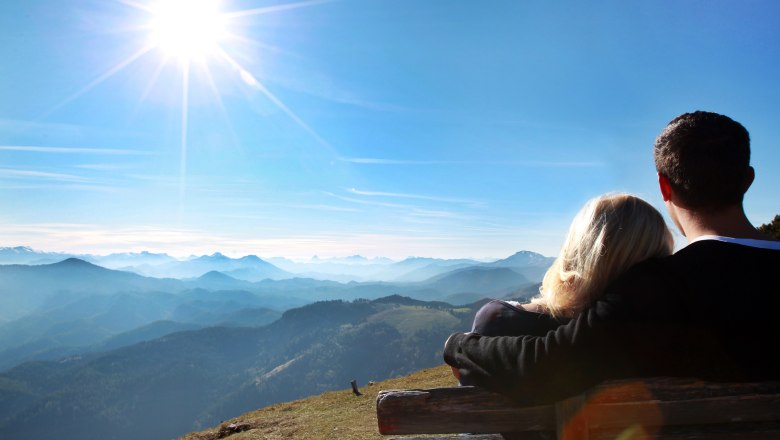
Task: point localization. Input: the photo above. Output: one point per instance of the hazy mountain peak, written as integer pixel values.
(215, 275)
(251, 258)
(355, 258)
(347, 260)
(133, 254)
(524, 258)
(28, 255)
(525, 253)
(216, 256)
(74, 262)
(17, 249)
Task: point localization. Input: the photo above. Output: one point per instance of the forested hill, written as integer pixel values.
(190, 380)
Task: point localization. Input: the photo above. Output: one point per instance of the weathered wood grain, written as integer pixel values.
(454, 410)
(656, 408)
(455, 437)
(671, 388)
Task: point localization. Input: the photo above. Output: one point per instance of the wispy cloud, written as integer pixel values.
(377, 161)
(59, 130)
(159, 179)
(75, 150)
(320, 207)
(411, 196)
(105, 166)
(553, 164)
(432, 213)
(74, 187)
(314, 207)
(368, 202)
(16, 173)
(405, 210)
(518, 163)
(55, 129)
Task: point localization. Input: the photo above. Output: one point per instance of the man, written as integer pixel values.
(708, 311)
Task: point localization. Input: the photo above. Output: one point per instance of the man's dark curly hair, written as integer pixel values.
(706, 157)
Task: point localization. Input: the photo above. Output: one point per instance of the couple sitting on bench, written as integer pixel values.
(618, 303)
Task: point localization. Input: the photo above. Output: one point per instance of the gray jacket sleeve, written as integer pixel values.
(537, 370)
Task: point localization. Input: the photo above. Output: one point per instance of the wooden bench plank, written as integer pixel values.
(710, 411)
(455, 410)
(670, 388)
(455, 437)
(666, 407)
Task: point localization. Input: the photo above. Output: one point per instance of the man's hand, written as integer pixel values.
(455, 370)
(450, 337)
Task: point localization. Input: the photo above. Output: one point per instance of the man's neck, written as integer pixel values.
(729, 222)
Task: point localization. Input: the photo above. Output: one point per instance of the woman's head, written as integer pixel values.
(610, 234)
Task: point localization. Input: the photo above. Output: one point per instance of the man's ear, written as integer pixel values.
(749, 177)
(666, 187)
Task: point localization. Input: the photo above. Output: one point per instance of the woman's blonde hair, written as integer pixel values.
(610, 234)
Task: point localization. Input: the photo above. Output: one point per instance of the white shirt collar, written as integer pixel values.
(763, 244)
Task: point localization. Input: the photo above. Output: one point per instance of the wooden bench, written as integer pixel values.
(656, 408)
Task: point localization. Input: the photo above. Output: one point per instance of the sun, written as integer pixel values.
(188, 30)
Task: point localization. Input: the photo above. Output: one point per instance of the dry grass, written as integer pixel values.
(334, 415)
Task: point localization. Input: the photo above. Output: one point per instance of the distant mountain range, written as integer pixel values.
(58, 309)
(253, 268)
(188, 380)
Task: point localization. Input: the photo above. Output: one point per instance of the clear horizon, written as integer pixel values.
(376, 128)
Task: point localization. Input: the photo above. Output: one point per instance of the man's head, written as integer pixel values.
(705, 157)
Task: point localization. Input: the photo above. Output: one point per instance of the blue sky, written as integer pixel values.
(392, 128)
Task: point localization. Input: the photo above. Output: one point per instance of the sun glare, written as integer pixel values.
(195, 33)
(189, 30)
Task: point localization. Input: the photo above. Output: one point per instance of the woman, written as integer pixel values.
(610, 234)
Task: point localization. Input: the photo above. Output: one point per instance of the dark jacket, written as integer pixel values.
(709, 311)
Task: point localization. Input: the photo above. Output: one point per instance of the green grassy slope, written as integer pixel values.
(333, 415)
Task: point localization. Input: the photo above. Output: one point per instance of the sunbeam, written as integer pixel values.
(185, 93)
(223, 111)
(137, 5)
(104, 76)
(149, 86)
(260, 44)
(251, 81)
(277, 8)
